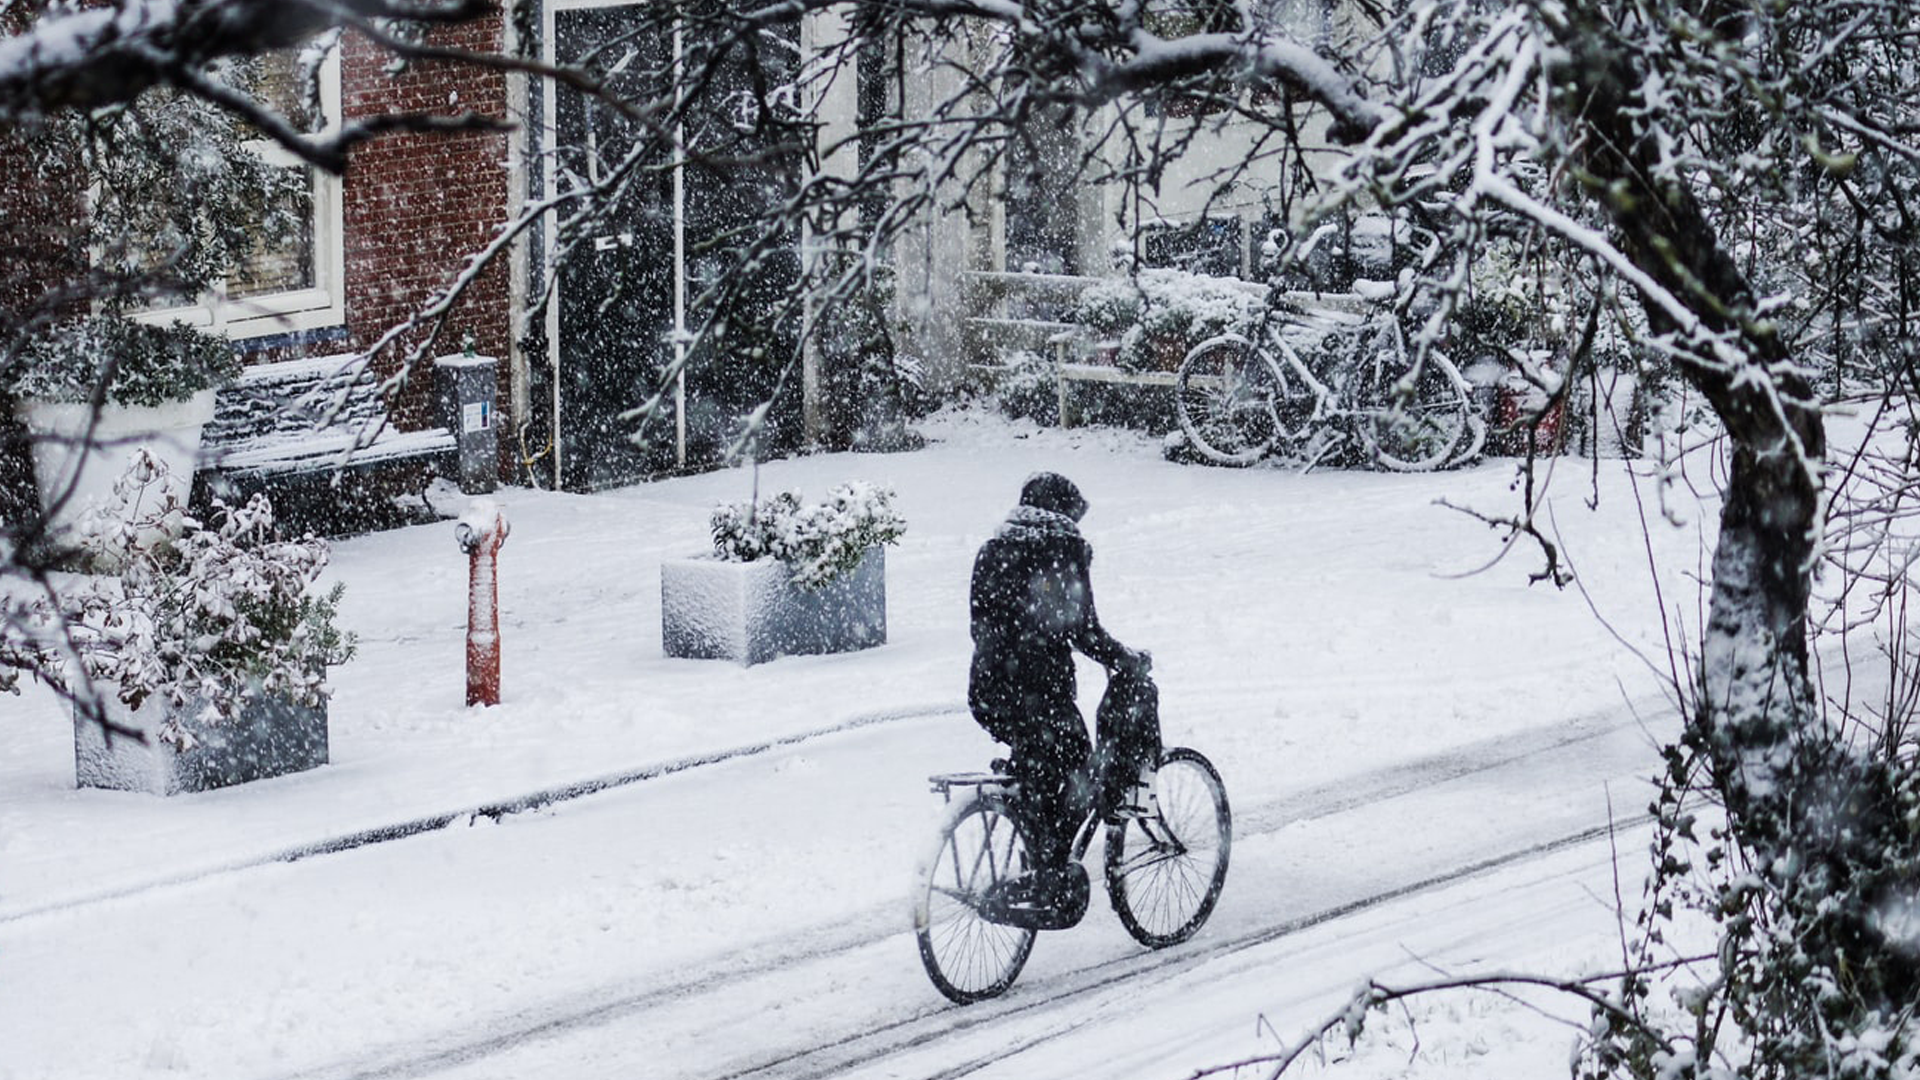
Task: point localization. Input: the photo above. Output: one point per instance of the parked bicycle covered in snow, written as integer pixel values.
(1324, 375)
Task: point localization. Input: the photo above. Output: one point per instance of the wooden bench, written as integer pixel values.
(303, 423)
(1006, 312)
(1066, 373)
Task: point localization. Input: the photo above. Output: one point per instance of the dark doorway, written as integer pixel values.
(1045, 165)
(618, 292)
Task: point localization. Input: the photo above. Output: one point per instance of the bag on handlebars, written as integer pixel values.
(1128, 726)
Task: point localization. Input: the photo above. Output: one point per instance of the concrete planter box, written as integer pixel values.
(751, 613)
(270, 737)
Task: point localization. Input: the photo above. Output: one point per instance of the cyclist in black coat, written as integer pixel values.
(1032, 602)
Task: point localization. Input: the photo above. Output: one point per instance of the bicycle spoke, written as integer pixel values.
(1225, 395)
(1413, 412)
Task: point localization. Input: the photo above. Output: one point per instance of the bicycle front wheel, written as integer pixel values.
(1165, 870)
(1226, 395)
(1412, 414)
(967, 957)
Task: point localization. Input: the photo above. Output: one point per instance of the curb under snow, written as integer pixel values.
(496, 810)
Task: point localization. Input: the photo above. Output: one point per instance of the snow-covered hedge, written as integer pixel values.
(817, 542)
(1157, 316)
(143, 365)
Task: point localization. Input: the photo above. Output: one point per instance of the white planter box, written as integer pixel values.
(270, 737)
(64, 455)
(751, 612)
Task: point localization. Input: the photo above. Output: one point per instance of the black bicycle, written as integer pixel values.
(1166, 863)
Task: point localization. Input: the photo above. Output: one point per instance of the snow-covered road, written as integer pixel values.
(848, 998)
(1383, 717)
(749, 919)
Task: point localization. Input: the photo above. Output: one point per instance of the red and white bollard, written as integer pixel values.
(481, 531)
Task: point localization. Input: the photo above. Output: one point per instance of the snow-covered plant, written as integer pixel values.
(1516, 300)
(18, 651)
(179, 201)
(1109, 308)
(202, 616)
(817, 542)
(140, 364)
(1158, 315)
(1026, 387)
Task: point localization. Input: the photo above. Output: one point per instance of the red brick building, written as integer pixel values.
(416, 205)
(378, 244)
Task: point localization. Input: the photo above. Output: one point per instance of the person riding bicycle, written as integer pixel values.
(1032, 606)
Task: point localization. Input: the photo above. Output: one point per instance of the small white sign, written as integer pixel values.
(476, 416)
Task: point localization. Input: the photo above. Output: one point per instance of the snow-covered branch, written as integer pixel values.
(108, 56)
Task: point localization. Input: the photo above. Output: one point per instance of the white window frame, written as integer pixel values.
(319, 306)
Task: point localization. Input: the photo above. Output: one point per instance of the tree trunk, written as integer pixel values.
(1822, 823)
(1756, 699)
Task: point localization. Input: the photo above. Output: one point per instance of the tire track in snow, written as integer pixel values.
(833, 1059)
(882, 923)
(823, 1061)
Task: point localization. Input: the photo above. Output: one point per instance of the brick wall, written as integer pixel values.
(416, 206)
(42, 248)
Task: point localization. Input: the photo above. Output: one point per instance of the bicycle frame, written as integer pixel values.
(974, 936)
(1000, 789)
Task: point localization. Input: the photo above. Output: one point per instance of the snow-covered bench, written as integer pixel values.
(310, 415)
(1066, 373)
(294, 421)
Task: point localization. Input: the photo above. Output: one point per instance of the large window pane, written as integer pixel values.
(287, 264)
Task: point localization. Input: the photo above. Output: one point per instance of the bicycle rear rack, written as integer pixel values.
(944, 783)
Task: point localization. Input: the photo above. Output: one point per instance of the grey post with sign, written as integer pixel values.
(467, 385)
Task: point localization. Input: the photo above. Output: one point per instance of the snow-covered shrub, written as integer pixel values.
(18, 652)
(1157, 316)
(818, 542)
(1109, 308)
(202, 615)
(1514, 301)
(143, 365)
(1025, 388)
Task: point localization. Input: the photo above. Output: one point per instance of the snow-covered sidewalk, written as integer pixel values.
(1330, 622)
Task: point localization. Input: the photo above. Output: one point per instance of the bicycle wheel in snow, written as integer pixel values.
(968, 957)
(1226, 395)
(1412, 414)
(1165, 870)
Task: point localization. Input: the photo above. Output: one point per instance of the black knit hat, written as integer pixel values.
(1051, 491)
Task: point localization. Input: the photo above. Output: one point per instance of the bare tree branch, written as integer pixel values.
(110, 56)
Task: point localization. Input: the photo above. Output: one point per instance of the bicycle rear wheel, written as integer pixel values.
(967, 957)
(1226, 395)
(1165, 871)
(1410, 418)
